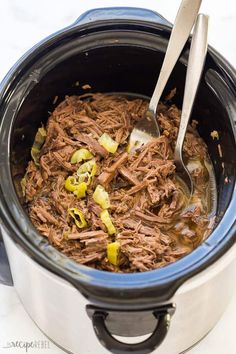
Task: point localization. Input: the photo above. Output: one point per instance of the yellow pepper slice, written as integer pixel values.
(101, 197)
(78, 217)
(85, 177)
(86, 171)
(71, 184)
(81, 189)
(40, 137)
(113, 252)
(23, 183)
(38, 143)
(108, 143)
(35, 154)
(106, 219)
(80, 155)
(89, 166)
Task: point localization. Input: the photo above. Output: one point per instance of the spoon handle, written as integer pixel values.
(196, 62)
(184, 22)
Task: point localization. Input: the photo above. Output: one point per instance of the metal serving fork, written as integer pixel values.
(148, 128)
(196, 62)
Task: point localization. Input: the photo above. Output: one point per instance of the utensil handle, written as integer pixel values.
(196, 62)
(184, 22)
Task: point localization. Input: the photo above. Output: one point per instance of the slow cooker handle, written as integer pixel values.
(163, 316)
(122, 13)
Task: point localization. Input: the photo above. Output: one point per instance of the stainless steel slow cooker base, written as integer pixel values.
(200, 302)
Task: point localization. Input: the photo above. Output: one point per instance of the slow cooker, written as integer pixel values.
(81, 309)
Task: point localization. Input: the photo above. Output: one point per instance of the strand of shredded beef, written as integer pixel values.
(147, 204)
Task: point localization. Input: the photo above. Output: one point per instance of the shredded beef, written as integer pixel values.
(154, 225)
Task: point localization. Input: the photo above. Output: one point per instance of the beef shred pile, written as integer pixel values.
(154, 223)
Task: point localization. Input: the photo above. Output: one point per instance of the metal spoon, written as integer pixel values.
(196, 62)
(148, 127)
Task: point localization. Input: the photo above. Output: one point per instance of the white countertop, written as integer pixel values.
(22, 24)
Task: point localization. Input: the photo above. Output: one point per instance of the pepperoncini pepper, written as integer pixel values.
(80, 155)
(79, 189)
(86, 171)
(71, 184)
(78, 217)
(101, 197)
(106, 219)
(108, 143)
(113, 252)
(38, 143)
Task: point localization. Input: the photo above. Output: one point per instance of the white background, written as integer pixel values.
(25, 22)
